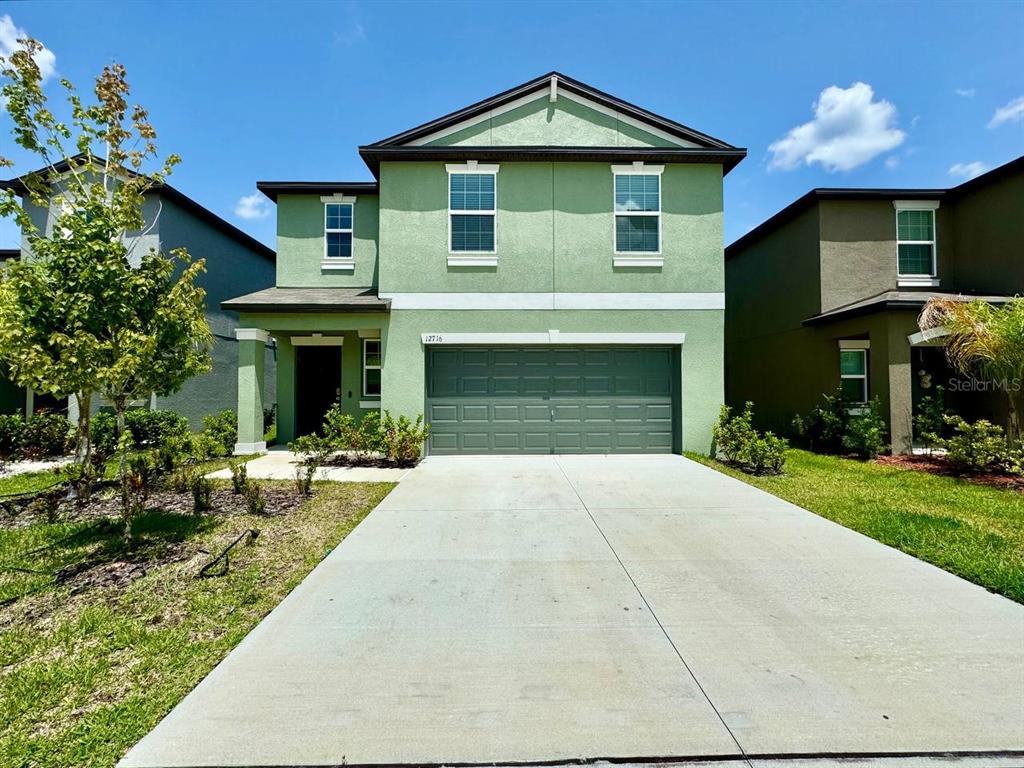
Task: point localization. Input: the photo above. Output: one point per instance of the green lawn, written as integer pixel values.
(974, 531)
(37, 481)
(85, 675)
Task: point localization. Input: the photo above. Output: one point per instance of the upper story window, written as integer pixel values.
(916, 257)
(472, 208)
(637, 207)
(338, 230)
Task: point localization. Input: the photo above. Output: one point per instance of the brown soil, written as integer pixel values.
(937, 465)
(120, 568)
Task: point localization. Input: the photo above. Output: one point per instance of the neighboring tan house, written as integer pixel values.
(234, 262)
(539, 272)
(826, 294)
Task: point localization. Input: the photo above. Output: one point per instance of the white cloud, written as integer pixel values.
(252, 207)
(967, 93)
(849, 129)
(914, 121)
(967, 170)
(892, 161)
(1013, 112)
(9, 37)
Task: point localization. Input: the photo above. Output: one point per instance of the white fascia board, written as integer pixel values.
(551, 301)
(638, 168)
(317, 340)
(251, 334)
(932, 337)
(552, 337)
(337, 265)
(472, 166)
(915, 205)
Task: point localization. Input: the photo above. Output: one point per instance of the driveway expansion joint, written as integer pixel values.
(654, 614)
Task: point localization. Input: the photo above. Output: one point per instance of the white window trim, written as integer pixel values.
(930, 280)
(366, 367)
(863, 377)
(339, 263)
(637, 258)
(472, 258)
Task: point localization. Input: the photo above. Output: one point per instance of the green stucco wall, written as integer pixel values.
(562, 123)
(300, 244)
(554, 231)
(404, 372)
(282, 327)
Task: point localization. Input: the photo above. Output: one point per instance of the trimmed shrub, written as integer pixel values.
(743, 446)
(202, 493)
(975, 447)
(239, 476)
(150, 429)
(929, 419)
(823, 428)
(46, 434)
(865, 432)
(313, 451)
(402, 439)
(254, 501)
(12, 436)
(221, 430)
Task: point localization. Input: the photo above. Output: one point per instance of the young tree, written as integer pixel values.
(84, 314)
(986, 341)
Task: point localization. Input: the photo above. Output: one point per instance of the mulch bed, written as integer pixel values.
(937, 465)
(104, 511)
(106, 505)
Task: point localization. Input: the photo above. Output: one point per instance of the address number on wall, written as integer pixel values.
(433, 338)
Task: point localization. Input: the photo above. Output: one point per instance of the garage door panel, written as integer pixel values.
(550, 400)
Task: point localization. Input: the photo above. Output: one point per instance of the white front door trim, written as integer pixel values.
(578, 301)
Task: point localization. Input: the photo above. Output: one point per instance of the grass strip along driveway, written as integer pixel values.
(974, 531)
(85, 672)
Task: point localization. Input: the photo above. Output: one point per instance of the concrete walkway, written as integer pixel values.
(280, 464)
(519, 609)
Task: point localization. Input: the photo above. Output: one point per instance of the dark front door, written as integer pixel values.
(317, 385)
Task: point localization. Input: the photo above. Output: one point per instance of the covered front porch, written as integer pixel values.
(330, 349)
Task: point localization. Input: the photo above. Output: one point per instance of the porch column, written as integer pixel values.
(901, 428)
(251, 345)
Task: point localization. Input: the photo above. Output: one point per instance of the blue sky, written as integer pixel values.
(285, 91)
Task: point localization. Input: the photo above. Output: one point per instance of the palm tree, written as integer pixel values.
(984, 341)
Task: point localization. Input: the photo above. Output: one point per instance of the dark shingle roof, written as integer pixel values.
(832, 193)
(308, 300)
(894, 300)
(175, 196)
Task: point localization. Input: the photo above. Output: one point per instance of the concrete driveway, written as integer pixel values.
(526, 609)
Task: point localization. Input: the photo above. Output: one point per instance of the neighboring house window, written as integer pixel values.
(915, 240)
(853, 374)
(472, 208)
(637, 213)
(371, 367)
(338, 230)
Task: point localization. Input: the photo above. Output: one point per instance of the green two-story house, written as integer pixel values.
(540, 272)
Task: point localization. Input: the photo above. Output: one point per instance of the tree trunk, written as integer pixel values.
(83, 447)
(122, 473)
(1015, 411)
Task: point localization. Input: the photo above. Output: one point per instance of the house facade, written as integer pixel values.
(234, 261)
(539, 272)
(826, 294)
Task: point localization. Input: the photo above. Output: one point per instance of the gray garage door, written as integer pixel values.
(551, 399)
